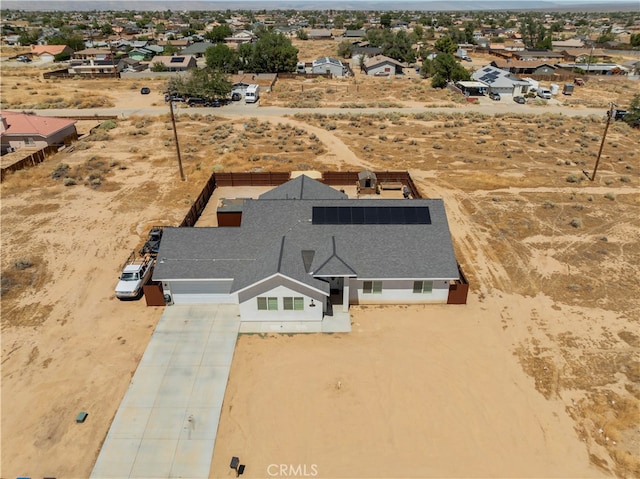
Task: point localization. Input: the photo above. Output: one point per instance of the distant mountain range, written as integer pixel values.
(452, 5)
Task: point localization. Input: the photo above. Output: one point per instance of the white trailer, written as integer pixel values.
(252, 94)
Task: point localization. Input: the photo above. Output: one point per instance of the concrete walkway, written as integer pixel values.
(167, 422)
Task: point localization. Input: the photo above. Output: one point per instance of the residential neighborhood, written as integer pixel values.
(319, 241)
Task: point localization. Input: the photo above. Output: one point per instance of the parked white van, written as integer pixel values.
(252, 94)
(544, 93)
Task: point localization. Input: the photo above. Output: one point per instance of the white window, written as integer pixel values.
(372, 287)
(293, 304)
(422, 287)
(267, 304)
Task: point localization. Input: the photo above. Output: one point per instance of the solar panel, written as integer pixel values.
(177, 59)
(371, 215)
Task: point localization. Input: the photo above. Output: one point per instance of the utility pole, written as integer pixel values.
(604, 137)
(589, 61)
(175, 136)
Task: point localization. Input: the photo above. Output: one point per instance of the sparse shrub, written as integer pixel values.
(108, 125)
(382, 137)
(437, 146)
(548, 204)
(576, 222)
(60, 171)
(69, 181)
(610, 196)
(22, 263)
(625, 179)
(573, 178)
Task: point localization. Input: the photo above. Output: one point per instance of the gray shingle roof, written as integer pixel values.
(278, 236)
(303, 188)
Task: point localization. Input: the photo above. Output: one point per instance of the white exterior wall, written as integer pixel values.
(274, 287)
(198, 292)
(383, 68)
(335, 70)
(398, 292)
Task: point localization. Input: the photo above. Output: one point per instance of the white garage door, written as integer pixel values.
(192, 292)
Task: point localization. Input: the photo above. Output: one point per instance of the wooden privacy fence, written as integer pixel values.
(252, 179)
(200, 204)
(29, 160)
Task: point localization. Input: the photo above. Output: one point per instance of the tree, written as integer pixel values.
(634, 40)
(302, 34)
(73, 40)
(633, 116)
(545, 44)
(158, 67)
(219, 33)
(418, 32)
(446, 69)
(273, 53)
(446, 45)
(106, 29)
(170, 49)
(29, 38)
(345, 48)
(200, 83)
(221, 58)
(385, 20)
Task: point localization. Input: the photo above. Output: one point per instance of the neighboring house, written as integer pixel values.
(354, 34)
(130, 65)
(239, 38)
(538, 56)
(329, 65)
(93, 67)
(581, 55)
(179, 44)
(18, 130)
(319, 34)
(595, 68)
(92, 54)
(304, 249)
(197, 49)
(141, 54)
(524, 67)
(501, 81)
(565, 44)
(381, 65)
(47, 53)
(179, 63)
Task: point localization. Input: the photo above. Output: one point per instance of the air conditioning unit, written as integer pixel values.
(11, 149)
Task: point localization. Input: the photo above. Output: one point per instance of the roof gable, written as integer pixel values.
(25, 124)
(303, 188)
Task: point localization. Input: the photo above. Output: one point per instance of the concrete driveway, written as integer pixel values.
(167, 422)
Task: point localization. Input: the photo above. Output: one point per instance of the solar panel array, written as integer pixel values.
(371, 215)
(490, 77)
(177, 59)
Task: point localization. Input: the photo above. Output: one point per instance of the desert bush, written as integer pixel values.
(61, 171)
(99, 136)
(576, 222)
(108, 125)
(625, 179)
(610, 196)
(22, 263)
(69, 181)
(573, 178)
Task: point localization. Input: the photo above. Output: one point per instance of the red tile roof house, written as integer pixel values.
(47, 53)
(18, 130)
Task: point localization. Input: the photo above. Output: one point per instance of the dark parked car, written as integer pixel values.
(144, 90)
(24, 59)
(494, 96)
(519, 99)
(618, 114)
(197, 102)
(235, 96)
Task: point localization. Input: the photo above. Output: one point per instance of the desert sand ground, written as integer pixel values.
(536, 377)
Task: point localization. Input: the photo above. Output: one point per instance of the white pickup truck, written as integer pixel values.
(135, 274)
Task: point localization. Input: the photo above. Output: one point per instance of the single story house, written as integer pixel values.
(47, 53)
(92, 54)
(320, 34)
(522, 67)
(18, 130)
(239, 38)
(596, 68)
(304, 248)
(354, 34)
(329, 65)
(179, 44)
(178, 63)
(564, 44)
(141, 54)
(538, 55)
(501, 81)
(381, 65)
(93, 67)
(197, 49)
